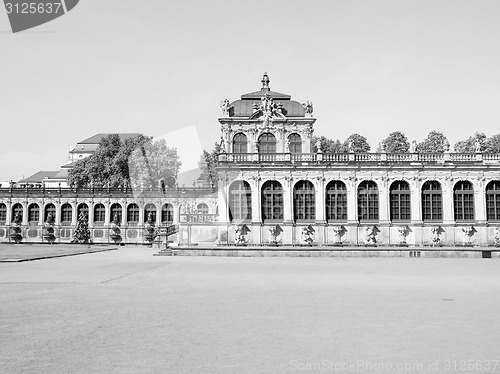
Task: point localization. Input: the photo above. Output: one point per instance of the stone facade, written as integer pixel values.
(185, 207)
(273, 191)
(407, 199)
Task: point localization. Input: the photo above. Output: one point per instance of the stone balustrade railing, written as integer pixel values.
(360, 157)
(29, 192)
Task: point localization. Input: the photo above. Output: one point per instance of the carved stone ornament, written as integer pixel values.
(308, 107)
(224, 105)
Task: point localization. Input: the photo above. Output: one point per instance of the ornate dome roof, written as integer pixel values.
(249, 103)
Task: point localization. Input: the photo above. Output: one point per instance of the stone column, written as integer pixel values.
(383, 188)
(142, 219)
(256, 203)
(447, 190)
(107, 214)
(91, 214)
(9, 214)
(288, 200)
(176, 213)
(352, 201)
(320, 200)
(124, 213)
(25, 214)
(222, 193)
(479, 201)
(74, 214)
(41, 208)
(416, 201)
(158, 213)
(57, 218)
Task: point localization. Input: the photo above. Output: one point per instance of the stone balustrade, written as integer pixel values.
(428, 158)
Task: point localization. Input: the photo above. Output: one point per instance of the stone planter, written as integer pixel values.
(15, 234)
(116, 237)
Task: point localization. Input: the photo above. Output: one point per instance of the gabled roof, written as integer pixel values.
(96, 139)
(39, 177)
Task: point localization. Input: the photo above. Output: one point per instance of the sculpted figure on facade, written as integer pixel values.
(436, 232)
(413, 146)
(224, 105)
(338, 232)
(371, 235)
(308, 106)
(266, 104)
(318, 146)
(496, 236)
(307, 235)
(469, 232)
(403, 232)
(240, 234)
(478, 146)
(287, 145)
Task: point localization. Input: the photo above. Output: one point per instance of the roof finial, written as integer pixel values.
(265, 81)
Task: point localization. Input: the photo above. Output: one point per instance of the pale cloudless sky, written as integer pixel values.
(370, 67)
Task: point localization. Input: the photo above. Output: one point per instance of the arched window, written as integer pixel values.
(49, 209)
(295, 143)
(240, 201)
(115, 212)
(202, 208)
(493, 201)
(336, 201)
(66, 214)
(132, 213)
(400, 201)
(82, 208)
(17, 209)
(33, 214)
(368, 201)
(432, 203)
(240, 143)
(267, 143)
(3, 213)
(463, 199)
(150, 209)
(304, 201)
(99, 213)
(167, 214)
(272, 201)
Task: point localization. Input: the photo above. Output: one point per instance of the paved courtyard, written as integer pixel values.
(125, 311)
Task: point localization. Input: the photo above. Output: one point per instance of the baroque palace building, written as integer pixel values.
(273, 190)
(272, 183)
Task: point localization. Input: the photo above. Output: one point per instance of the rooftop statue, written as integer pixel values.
(224, 105)
(265, 81)
(308, 106)
(413, 146)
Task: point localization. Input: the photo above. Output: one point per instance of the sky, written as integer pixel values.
(158, 66)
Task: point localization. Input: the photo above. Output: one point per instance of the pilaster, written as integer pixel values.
(447, 191)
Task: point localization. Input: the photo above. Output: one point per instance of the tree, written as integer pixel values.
(153, 162)
(327, 145)
(82, 232)
(208, 164)
(435, 142)
(396, 142)
(469, 145)
(357, 144)
(492, 144)
(110, 164)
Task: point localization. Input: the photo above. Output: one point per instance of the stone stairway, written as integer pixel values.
(165, 252)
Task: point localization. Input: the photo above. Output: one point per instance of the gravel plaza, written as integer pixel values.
(125, 311)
